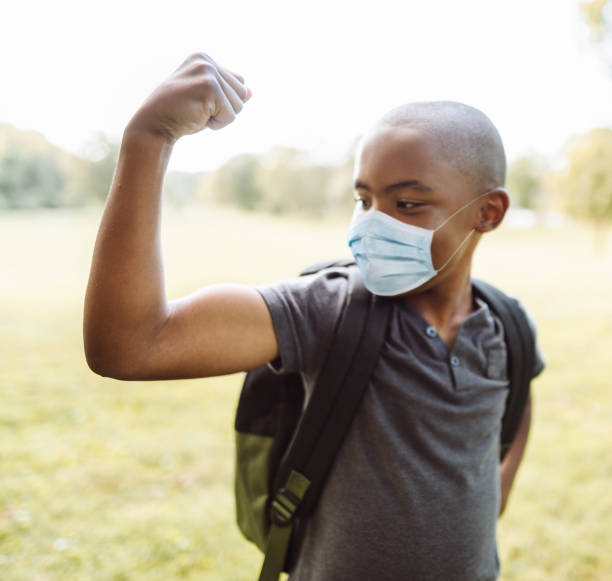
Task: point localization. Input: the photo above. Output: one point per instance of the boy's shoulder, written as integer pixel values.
(305, 311)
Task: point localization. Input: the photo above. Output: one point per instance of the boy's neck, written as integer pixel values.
(446, 305)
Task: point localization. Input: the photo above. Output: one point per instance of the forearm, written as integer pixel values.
(125, 299)
(512, 460)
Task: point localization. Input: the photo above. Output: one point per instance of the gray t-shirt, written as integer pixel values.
(414, 492)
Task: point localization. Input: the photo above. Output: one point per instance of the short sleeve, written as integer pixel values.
(305, 312)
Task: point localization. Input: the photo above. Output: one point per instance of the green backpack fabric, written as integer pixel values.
(284, 452)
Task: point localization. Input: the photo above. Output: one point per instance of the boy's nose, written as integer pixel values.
(382, 205)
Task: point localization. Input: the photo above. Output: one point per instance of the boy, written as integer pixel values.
(417, 486)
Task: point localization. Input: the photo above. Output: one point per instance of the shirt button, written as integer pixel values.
(431, 331)
(455, 361)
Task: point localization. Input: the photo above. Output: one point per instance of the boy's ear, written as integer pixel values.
(493, 210)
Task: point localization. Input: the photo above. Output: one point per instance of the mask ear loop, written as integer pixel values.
(457, 250)
(471, 231)
(465, 206)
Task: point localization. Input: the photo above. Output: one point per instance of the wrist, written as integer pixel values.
(145, 140)
(138, 128)
(143, 153)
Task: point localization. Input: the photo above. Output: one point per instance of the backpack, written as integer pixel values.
(284, 452)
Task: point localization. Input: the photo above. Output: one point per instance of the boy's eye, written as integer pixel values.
(365, 204)
(408, 205)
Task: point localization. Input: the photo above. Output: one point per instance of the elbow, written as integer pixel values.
(112, 370)
(121, 352)
(105, 366)
(110, 352)
(110, 362)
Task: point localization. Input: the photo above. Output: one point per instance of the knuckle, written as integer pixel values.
(224, 119)
(241, 91)
(199, 64)
(201, 56)
(208, 83)
(204, 68)
(237, 76)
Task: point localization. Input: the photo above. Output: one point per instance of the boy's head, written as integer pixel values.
(429, 165)
(464, 137)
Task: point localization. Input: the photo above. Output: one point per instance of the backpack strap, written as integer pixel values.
(323, 264)
(325, 422)
(349, 395)
(521, 356)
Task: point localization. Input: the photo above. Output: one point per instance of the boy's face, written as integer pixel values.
(400, 172)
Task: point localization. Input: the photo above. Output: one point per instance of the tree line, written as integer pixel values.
(35, 174)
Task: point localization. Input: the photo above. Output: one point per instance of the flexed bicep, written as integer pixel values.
(217, 330)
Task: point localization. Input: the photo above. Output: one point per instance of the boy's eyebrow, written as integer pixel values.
(416, 184)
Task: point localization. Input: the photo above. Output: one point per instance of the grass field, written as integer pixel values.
(104, 480)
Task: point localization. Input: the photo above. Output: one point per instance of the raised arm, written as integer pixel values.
(131, 330)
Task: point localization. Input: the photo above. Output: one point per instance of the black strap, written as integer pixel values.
(355, 383)
(521, 356)
(329, 382)
(323, 264)
(309, 444)
(338, 391)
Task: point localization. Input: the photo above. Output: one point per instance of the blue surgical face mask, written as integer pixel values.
(394, 257)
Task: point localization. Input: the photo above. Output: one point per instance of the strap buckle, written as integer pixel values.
(283, 507)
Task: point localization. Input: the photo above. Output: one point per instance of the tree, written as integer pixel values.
(586, 184)
(340, 198)
(282, 181)
(237, 182)
(291, 184)
(598, 16)
(180, 187)
(30, 181)
(525, 181)
(103, 154)
(595, 14)
(36, 173)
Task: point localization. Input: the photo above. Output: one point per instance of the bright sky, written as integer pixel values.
(321, 71)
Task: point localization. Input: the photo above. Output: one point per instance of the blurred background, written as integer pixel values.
(101, 479)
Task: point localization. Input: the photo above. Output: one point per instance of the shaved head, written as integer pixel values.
(465, 138)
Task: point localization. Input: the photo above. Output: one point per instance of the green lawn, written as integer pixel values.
(104, 480)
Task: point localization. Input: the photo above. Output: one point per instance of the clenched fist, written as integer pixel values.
(199, 94)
